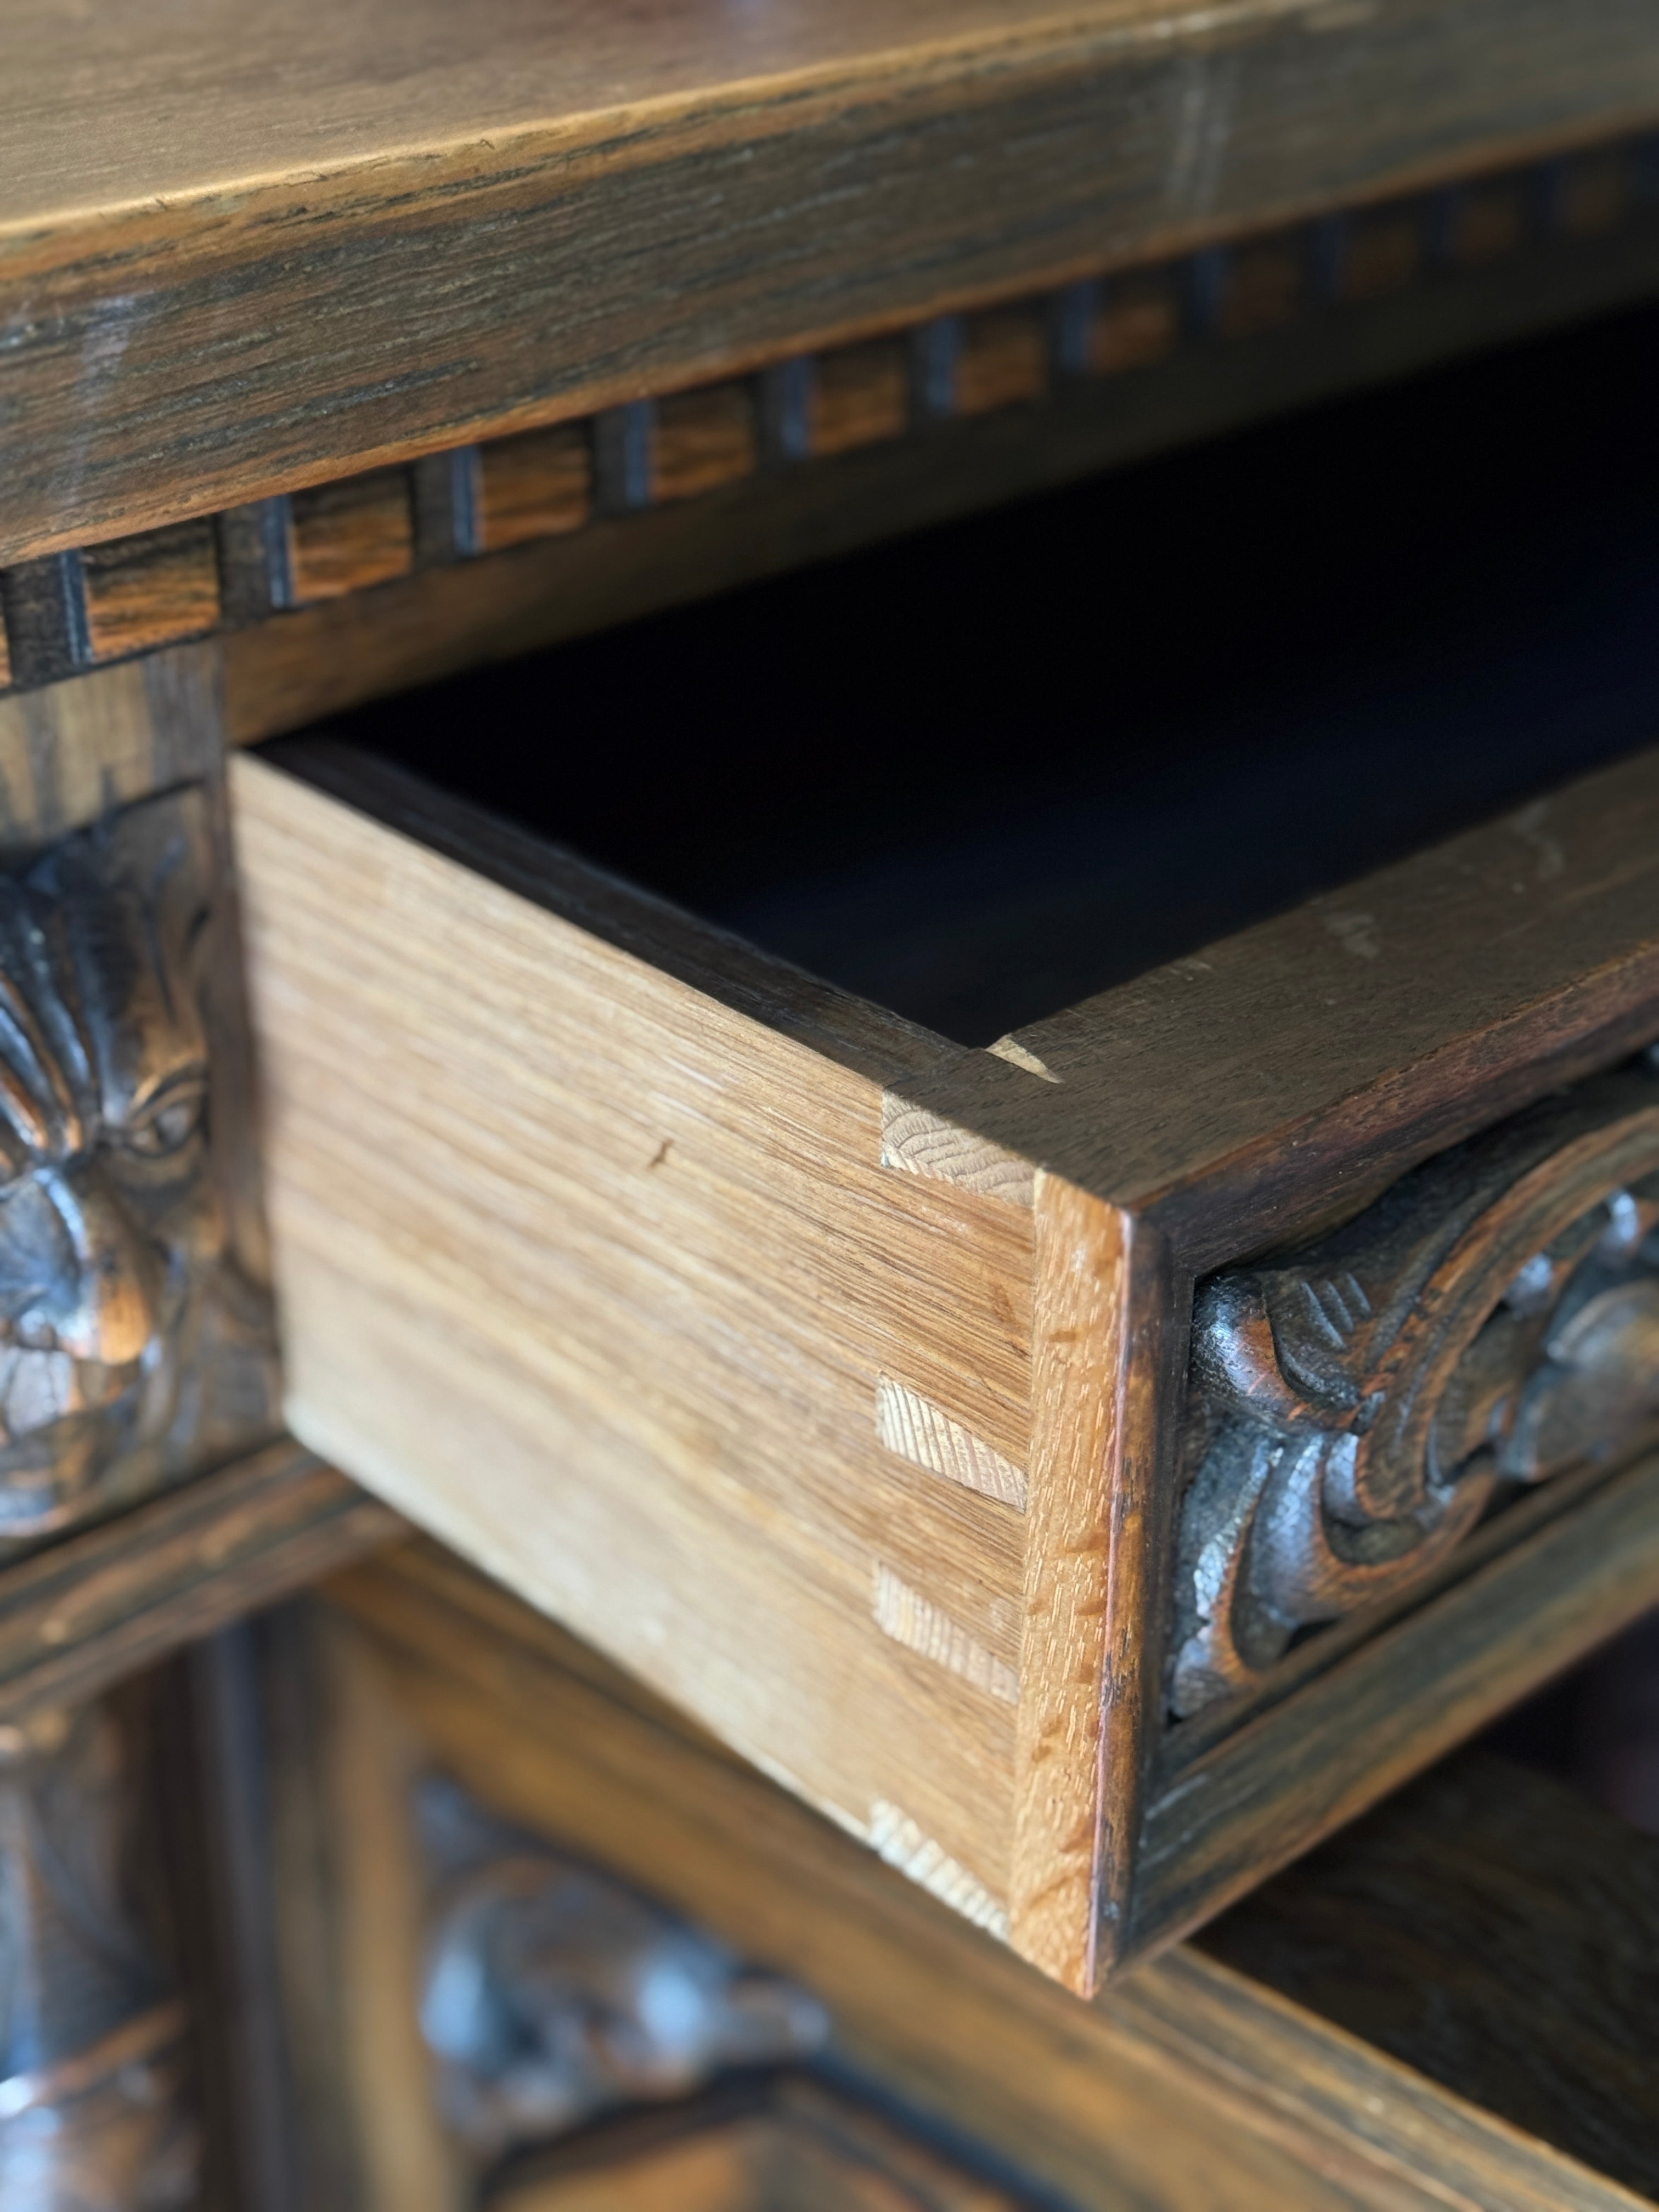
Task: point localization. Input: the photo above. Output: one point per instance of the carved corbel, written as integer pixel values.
(1357, 1406)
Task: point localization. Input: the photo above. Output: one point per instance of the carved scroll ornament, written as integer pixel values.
(1358, 1406)
(133, 1348)
(553, 1992)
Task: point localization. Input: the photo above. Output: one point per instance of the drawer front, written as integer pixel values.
(928, 1422)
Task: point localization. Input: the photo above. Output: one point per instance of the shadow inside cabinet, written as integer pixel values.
(982, 772)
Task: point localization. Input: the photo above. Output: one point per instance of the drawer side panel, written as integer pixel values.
(598, 1280)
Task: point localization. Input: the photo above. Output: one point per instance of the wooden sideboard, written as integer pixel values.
(1009, 1151)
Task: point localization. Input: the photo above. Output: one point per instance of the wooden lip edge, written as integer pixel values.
(628, 132)
(1583, 1028)
(1467, 1693)
(1300, 2074)
(275, 1552)
(641, 924)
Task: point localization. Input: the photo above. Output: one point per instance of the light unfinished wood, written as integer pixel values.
(489, 1171)
(238, 257)
(1081, 1510)
(1189, 2088)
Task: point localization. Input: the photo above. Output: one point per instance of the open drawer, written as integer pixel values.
(1091, 1467)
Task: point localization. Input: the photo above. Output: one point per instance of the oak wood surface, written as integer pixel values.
(552, 1145)
(1190, 2087)
(1496, 1930)
(246, 256)
(94, 1607)
(790, 2141)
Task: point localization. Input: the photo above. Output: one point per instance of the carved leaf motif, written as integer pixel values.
(1358, 1406)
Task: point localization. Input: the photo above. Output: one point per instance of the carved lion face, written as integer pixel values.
(109, 1218)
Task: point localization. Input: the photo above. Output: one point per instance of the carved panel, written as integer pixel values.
(135, 1348)
(92, 2115)
(1357, 1405)
(553, 1992)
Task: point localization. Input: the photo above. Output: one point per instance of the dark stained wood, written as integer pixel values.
(702, 439)
(150, 591)
(44, 603)
(1135, 322)
(1484, 222)
(349, 535)
(1189, 2087)
(539, 484)
(1260, 286)
(751, 2148)
(373, 239)
(96, 1607)
(1387, 1710)
(1498, 1932)
(1004, 360)
(861, 395)
(282, 675)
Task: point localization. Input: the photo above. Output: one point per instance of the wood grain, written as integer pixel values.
(1004, 360)
(861, 395)
(792, 2141)
(152, 590)
(284, 673)
(1190, 2088)
(539, 484)
(377, 237)
(653, 1234)
(680, 1216)
(69, 752)
(349, 535)
(1495, 1930)
(97, 1607)
(703, 440)
(1081, 1528)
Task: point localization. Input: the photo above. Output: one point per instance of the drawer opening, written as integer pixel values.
(980, 773)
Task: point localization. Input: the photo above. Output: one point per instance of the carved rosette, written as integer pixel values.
(1357, 1405)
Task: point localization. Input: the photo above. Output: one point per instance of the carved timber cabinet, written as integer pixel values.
(829, 1105)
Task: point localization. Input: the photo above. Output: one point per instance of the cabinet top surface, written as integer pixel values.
(113, 107)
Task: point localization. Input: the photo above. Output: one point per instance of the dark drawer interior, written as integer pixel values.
(983, 772)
